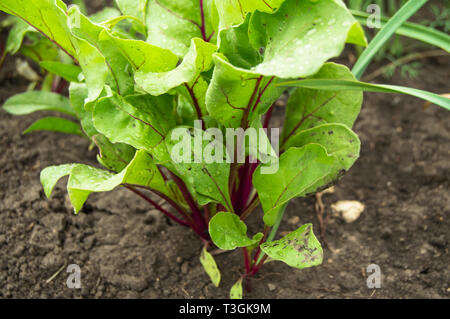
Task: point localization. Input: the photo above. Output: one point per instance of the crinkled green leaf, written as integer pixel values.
(33, 101)
(173, 23)
(55, 124)
(299, 169)
(141, 121)
(300, 37)
(197, 60)
(143, 56)
(68, 72)
(207, 176)
(46, 16)
(100, 58)
(300, 249)
(114, 157)
(233, 90)
(85, 180)
(228, 232)
(210, 266)
(308, 108)
(233, 12)
(236, 290)
(235, 45)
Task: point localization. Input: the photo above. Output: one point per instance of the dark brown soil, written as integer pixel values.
(126, 250)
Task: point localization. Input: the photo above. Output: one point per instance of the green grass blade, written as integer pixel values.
(332, 84)
(385, 34)
(413, 30)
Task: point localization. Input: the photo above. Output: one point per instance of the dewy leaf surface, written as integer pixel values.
(46, 16)
(173, 23)
(299, 249)
(85, 180)
(300, 37)
(300, 168)
(229, 232)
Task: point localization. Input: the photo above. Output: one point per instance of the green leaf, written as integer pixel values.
(197, 60)
(137, 9)
(16, 36)
(141, 121)
(55, 124)
(85, 180)
(100, 58)
(412, 30)
(234, 90)
(300, 37)
(114, 157)
(229, 232)
(195, 163)
(69, 72)
(233, 12)
(104, 15)
(210, 266)
(51, 175)
(299, 170)
(338, 140)
(173, 23)
(78, 93)
(308, 108)
(334, 85)
(235, 45)
(29, 102)
(405, 12)
(300, 249)
(40, 49)
(236, 290)
(46, 16)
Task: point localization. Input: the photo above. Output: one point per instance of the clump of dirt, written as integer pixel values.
(127, 250)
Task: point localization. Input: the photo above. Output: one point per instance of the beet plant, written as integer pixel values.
(178, 96)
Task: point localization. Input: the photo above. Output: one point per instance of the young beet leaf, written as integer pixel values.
(177, 98)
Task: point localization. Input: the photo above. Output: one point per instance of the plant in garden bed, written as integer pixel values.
(169, 92)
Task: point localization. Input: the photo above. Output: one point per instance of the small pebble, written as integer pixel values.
(350, 210)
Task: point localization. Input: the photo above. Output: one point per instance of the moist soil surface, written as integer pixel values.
(127, 250)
